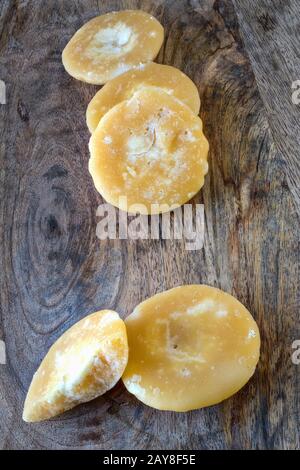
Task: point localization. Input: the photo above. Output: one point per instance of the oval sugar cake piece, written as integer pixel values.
(111, 44)
(171, 80)
(149, 153)
(190, 347)
(85, 362)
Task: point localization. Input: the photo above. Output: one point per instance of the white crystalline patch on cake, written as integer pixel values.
(188, 136)
(107, 139)
(134, 387)
(71, 365)
(107, 318)
(131, 171)
(182, 356)
(154, 153)
(91, 74)
(185, 372)
(221, 313)
(122, 68)
(136, 378)
(138, 144)
(156, 391)
(251, 333)
(114, 40)
(175, 315)
(70, 368)
(202, 307)
(147, 146)
(205, 166)
(168, 91)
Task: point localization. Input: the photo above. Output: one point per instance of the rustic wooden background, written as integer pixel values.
(54, 270)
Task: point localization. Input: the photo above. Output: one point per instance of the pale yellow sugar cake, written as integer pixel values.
(149, 151)
(111, 44)
(190, 347)
(85, 362)
(169, 79)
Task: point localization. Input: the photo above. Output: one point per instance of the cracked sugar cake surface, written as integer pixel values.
(149, 150)
(111, 44)
(85, 362)
(169, 79)
(190, 347)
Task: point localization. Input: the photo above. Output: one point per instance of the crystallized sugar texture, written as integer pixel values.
(167, 78)
(190, 347)
(149, 151)
(85, 362)
(111, 44)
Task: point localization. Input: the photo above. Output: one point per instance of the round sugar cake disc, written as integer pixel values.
(169, 79)
(149, 153)
(111, 44)
(190, 347)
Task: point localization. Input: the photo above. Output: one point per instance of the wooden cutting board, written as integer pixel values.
(54, 270)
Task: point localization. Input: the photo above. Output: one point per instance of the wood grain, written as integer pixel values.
(54, 270)
(270, 30)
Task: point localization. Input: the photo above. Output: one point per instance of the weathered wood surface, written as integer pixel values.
(271, 30)
(54, 270)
